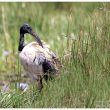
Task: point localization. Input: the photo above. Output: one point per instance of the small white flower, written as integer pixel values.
(5, 88)
(22, 86)
(6, 53)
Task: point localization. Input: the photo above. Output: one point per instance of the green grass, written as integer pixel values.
(80, 35)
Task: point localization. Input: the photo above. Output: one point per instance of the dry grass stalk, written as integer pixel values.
(6, 34)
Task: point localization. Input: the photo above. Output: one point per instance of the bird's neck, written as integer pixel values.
(21, 42)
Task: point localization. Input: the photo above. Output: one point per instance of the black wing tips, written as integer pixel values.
(48, 67)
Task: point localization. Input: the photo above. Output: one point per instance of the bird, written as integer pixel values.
(38, 60)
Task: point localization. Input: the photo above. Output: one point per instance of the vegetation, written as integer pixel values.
(80, 35)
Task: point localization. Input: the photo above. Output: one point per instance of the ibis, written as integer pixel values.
(38, 60)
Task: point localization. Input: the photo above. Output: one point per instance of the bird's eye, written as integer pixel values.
(29, 28)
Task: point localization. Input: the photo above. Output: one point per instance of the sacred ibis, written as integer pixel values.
(37, 58)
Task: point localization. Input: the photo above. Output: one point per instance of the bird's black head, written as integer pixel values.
(26, 28)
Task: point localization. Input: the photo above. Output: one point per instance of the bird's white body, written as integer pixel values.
(31, 58)
(37, 59)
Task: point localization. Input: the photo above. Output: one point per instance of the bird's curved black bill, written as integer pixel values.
(36, 38)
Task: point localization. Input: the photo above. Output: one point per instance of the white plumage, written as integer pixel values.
(32, 57)
(37, 59)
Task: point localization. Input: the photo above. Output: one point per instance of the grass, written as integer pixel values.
(79, 33)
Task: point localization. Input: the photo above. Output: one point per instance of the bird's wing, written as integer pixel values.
(45, 61)
(45, 57)
(52, 63)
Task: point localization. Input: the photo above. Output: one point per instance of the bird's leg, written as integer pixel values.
(40, 85)
(46, 77)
